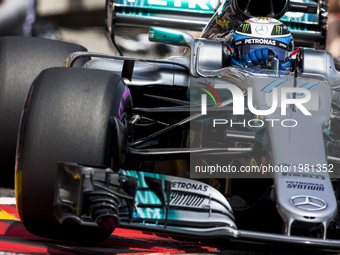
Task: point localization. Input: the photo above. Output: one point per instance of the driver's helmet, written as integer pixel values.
(257, 33)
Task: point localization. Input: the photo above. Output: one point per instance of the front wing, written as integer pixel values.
(156, 203)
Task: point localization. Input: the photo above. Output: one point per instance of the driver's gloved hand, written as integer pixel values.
(259, 56)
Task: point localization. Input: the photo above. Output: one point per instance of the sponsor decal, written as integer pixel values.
(189, 186)
(260, 41)
(245, 28)
(305, 185)
(261, 29)
(278, 30)
(308, 203)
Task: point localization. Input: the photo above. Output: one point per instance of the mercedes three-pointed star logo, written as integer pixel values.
(308, 203)
(261, 29)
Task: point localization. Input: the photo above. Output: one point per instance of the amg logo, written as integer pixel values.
(189, 186)
(186, 199)
(260, 41)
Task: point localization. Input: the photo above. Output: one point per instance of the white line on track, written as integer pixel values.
(7, 200)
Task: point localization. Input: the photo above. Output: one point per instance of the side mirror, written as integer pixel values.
(176, 37)
(171, 36)
(200, 49)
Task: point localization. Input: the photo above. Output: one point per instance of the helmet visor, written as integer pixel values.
(243, 50)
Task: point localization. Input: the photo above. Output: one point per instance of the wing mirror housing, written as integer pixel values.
(178, 38)
(171, 36)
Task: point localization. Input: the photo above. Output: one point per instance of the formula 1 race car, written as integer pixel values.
(204, 145)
